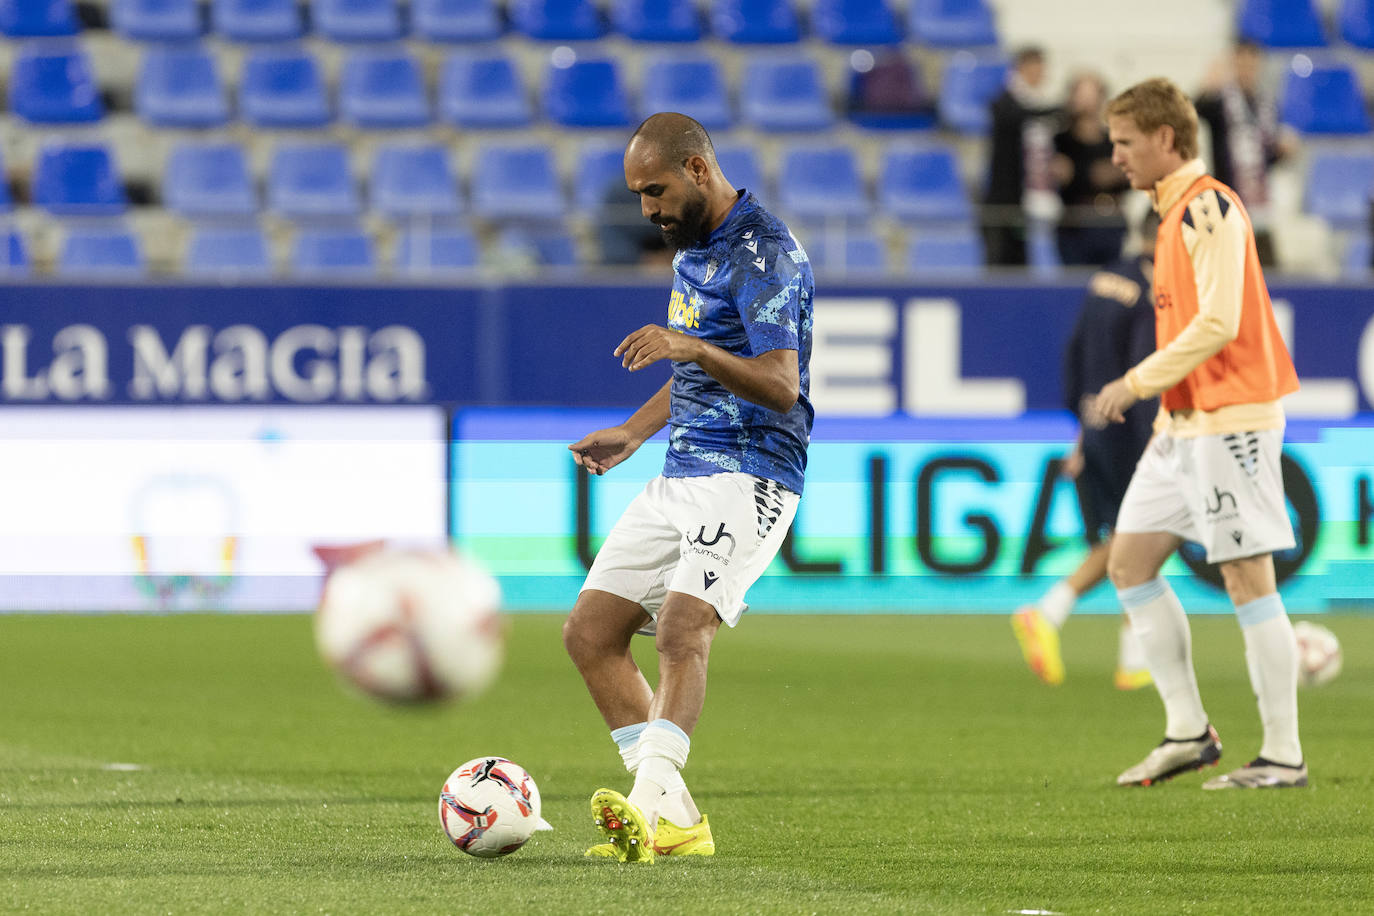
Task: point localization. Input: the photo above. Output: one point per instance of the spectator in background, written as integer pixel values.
(1019, 158)
(886, 91)
(1247, 140)
(1091, 227)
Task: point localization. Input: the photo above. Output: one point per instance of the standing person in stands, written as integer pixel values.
(1091, 228)
(1211, 474)
(1021, 146)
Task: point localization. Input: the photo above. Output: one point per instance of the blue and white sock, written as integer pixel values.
(662, 750)
(1271, 655)
(626, 737)
(1158, 622)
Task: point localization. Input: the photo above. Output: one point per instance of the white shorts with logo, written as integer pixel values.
(710, 537)
(1223, 491)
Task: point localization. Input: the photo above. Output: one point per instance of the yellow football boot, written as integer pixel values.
(1039, 644)
(1132, 680)
(624, 827)
(669, 840)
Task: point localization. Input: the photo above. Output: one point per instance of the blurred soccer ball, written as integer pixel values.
(489, 807)
(1319, 653)
(412, 626)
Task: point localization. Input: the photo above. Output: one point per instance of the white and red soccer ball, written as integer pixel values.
(1319, 653)
(489, 807)
(410, 626)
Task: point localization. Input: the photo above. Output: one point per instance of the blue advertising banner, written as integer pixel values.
(899, 515)
(991, 351)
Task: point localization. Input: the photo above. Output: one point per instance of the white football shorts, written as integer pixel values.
(1223, 491)
(710, 537)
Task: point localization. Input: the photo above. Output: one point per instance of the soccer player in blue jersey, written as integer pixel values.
(680, 559)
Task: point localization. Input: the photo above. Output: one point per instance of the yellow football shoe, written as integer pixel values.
(624, 827)
(1039, 644)
(1132, 680)
(669, 840)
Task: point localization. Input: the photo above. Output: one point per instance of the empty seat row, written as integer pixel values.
(918, 183)
(940, 23)
(1298, 23)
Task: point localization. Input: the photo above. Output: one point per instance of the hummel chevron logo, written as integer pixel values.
(748, 235)
(710, 270)
(710, 578)
(752, 246)
(758, 262)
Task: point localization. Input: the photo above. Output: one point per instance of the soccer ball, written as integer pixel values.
(1319, 653)
(412, 626)
(489, 807)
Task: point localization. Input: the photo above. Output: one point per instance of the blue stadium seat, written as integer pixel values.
(37, 18)
(600, 178)
(455, 20)
(853, 251)
(283, 88)
(228, 252)
(968, 86)
(855, 22)
(922, 184)
(691, 85)
(6, 201)
(414, 180)
(179, 86)
(1280, 23)
(308, 180)
(557, 20)
(14, 252)
(483, 89)
(784, 93)
(357, 20)
(1042, 252)
(952, 23)
(946, 254)
(1356, 263)
(1340, 187)
(822, 183)
(1323, 99)
(78, 180)
(383, 89)
(755, 21)
(54, 85)
(516, 182)
(208, 179)
(256, 20)
(550, 247)
(656, 20)
(431, 251)
(336, 252)
(586, 93)
(1357, 23)
(156, 20)
(886, 92)
(91, 252)
(740, 164)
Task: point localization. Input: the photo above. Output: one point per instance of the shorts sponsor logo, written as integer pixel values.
(1221, 497)
(699, 544)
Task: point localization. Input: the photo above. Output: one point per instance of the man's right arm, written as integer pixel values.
(602, 450)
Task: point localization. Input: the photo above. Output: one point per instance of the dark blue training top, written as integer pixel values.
(746, 289)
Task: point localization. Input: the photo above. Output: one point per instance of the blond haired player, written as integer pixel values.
(1211, 472)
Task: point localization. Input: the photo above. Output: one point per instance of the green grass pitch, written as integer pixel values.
(849, 765)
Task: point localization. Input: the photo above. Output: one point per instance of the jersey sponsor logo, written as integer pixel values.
(684, 312)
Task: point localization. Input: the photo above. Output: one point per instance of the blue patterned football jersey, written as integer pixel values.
(746, 289)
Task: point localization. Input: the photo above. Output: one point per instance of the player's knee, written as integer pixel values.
(582, 642)
(1125, 571)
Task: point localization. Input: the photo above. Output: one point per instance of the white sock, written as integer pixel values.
(678, 805)
(1271, 654)
(1130, 654)
(1158, 621)
(627, 739)
(663, 749)
(1057, 604)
